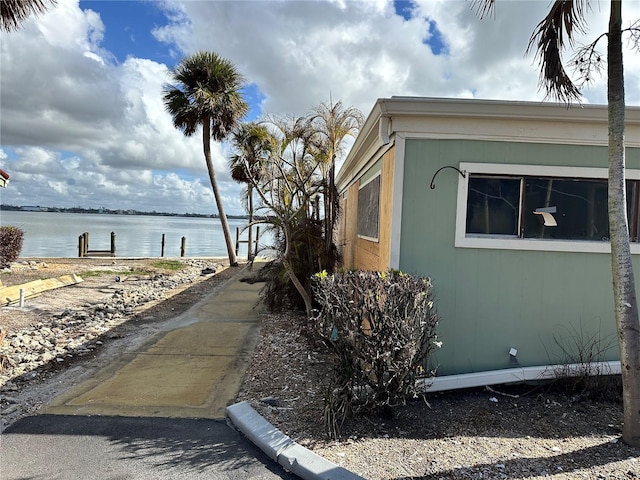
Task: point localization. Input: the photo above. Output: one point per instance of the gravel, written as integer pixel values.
(508, 432)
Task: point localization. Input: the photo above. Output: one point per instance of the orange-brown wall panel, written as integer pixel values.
(358, 252)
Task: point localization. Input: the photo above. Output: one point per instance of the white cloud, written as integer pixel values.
(300, 52)
(72, 97)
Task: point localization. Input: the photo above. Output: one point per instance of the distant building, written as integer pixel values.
(4, 178)
(30, 208)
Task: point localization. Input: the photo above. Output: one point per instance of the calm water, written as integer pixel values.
(56, 234)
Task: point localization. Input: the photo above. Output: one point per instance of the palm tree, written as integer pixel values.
(562, 22)
(207, 93)
(14, 12)
(333, 123)
(254, 146)
(286, 183)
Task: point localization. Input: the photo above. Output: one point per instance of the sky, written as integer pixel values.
(82, 121)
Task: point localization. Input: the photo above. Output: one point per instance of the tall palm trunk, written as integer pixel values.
(330, 213)
(250, 239)
(624, 292)
(206, 143)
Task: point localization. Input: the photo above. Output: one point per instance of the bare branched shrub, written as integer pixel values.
(381, 328)
(10, 244)
(582, 371)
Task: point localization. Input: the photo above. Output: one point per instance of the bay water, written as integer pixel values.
(55, 234)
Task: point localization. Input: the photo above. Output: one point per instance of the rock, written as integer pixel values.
(271, 401)
(9, 410)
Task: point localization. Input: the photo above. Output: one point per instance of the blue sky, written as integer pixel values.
(81, 114)
(128, 29)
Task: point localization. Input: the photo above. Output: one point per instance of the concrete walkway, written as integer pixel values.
(192, 370)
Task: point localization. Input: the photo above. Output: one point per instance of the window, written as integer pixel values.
(539, 208)
(369, 209)
(493, 205)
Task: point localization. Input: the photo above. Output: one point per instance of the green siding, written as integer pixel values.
(492, 300)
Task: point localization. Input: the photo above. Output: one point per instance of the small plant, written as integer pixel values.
(10, 244)
(381, 327)
(174, 265)
(581, 371)
(94, 273)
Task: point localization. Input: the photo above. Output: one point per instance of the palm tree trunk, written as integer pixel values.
(206, 143)
(330, 214)
(306, 296)
(624, 292)
(250, 239)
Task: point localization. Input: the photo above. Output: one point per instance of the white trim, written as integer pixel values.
(531, 122)
(513, 375)
(373, 177)
(370, 239)
(462, 240)
(364, 166)
(396, 205)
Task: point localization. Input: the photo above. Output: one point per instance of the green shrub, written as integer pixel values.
(381, 328)
(10, 244)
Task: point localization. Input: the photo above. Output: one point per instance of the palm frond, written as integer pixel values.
(557, 30)
(333, 123)
(484, 8)
(184, 113)
(206, 87)
(14, 12)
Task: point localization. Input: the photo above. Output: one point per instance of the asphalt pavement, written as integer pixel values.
(77, 447)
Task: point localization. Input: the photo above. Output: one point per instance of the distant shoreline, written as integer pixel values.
(106, 211)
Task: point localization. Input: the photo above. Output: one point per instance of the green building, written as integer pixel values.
(504, 206)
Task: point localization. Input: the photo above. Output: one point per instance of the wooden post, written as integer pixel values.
(237, 240)
(257, 238)
(183, 246)
(162, 247)
(86, 244)
(113, 244)
(81, 246)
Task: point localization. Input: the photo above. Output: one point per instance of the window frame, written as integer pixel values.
(497, 242)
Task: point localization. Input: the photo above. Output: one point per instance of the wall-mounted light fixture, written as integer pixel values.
(461, 172)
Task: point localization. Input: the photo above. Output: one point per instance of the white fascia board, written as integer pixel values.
(485, 109)
(493, 120)
(357, 168)
(365, 145)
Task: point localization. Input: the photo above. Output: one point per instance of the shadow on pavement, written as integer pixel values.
(109, 447)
